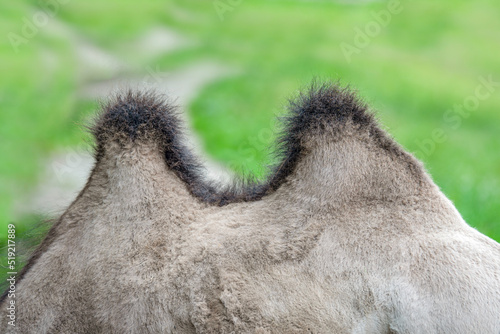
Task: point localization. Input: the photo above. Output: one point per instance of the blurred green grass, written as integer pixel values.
(426, 60)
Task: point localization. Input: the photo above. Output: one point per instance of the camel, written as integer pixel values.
(347, 234)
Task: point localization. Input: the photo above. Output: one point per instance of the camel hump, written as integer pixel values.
(132, 116)
(330, 131)
(326, 106)
(146, 118)
(330, 112)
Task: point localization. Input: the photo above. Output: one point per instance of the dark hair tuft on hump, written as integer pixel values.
(136, 116)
